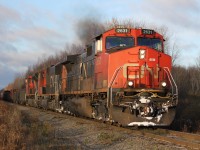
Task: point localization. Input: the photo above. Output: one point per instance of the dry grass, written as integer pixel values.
(17, 131)
(108, 137)
(158, 131)
(10, 128)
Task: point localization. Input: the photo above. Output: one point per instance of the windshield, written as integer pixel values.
(117, 43)
(153, 43)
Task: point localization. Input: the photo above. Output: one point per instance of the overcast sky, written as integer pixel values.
(39, 28)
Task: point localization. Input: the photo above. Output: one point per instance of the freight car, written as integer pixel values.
(124, 76)
(6, 95)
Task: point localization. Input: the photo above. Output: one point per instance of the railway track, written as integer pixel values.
(182, 139)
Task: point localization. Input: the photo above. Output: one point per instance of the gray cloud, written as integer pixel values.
(25, 37)
(182, 13)
(8, 15)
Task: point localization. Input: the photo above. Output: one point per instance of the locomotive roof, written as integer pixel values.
(70, 59)
(98, 36)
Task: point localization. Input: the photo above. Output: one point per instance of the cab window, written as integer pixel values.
(150, 42)
(118, 43)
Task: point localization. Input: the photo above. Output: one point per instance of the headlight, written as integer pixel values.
(142, 53)
(164, 84)
(142, 56)
(130, 83)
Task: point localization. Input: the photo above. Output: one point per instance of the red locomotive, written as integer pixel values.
(124, 76)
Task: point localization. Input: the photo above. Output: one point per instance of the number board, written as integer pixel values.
(147, 31)
(122, 30)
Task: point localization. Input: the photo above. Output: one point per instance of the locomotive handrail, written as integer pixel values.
(115, 74)
(166, 69)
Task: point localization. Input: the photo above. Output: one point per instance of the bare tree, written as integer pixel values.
(194, 81)
(19, 82)
(198, 62)
(74, 49)
(175, 53)
(128, 23)
(181, 75)
(9, 86)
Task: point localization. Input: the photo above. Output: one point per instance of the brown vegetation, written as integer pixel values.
(18, 131)
(10, 129)
(188, 82)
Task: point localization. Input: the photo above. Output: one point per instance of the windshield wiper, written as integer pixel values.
(118, 47)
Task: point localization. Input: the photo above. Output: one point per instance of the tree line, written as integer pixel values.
(187, 80)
